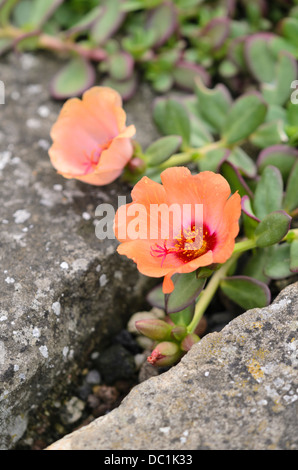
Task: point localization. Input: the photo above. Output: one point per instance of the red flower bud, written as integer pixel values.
(189, 341)
(165, 354)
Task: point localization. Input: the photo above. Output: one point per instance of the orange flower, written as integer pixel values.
(90, 139)
(197, 240)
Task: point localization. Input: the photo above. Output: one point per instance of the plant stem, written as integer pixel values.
(208, 293)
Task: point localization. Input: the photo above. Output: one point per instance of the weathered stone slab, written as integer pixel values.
(61, 288)
(235, 390)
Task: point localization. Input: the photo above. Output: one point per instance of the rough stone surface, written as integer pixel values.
(61, 288)
(235, 390)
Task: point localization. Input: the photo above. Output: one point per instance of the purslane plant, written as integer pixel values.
(229, 147)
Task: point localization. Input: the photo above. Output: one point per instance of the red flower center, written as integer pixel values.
(191, 243)
(93, 158)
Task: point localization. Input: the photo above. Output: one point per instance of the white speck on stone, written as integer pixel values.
(56, 307)
(86, 216)
(4, 159)
(4, 221)
(3, 318)
(206, 373)
(165, 430)
(36, 332)
(118, 275)
(9, 280)
(16, 367)
(80, 264)
(98, 268)
(58, 187)
(262, 402)
(15, 95)
(103, 280)
(65, 351)
(21, 216)
(43, 111)
(44, 144)
(64, 265)
(28, 61)
(22, 376)
(34, 89)
(44, 351)
(33, 123)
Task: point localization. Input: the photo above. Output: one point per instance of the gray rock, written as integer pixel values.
(235, 390)
(62, 289)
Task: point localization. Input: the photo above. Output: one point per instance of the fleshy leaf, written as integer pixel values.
(269, 192)
(247, 208)
(242, 162)
(73, 79)
(278, 263)
(255, 265)
(269, 134)
(278, 90)
(163, 22)
(294, 256)
(282, 157)
(235, 179)
(183, 317)
(290, 203)
(259, 56)
(126, 88)
(216, 31)
(272, 229)
(86, 22)
(162, 149)
(213, 104)
(109, 22)
(185, 74)
(120, 65)
(246, 291)
(247, 114)
(172, 118)
(156, 297)
(289, 29)
(186, 290)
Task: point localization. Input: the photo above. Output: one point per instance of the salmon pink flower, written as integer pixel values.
(200, 239)
(91, 142)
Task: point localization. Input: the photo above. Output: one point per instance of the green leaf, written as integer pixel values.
(235, 179)
(246, 292)
(172, 118)
(291, 196)
(121, 65)
(269, 192)
(282, 157)
(255, 265)
(162, 149)
(212, 159)
(213, 105)
(278, 90)
(126, 88)
(186, 290)
(74, 78)
(269, 134)
(242, 162)
(260, 59)
(278, 263)
(163, 22)
(294, 256)
(184, 317)
(185, 74)
(156, 297)
(272, 229)
(289, 29)
(109, 21)
(246, 115)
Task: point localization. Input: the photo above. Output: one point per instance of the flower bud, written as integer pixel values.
(154, 328)
(165, 354)
(189, 341)
(136, 165)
